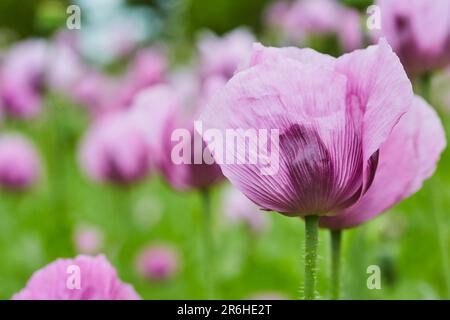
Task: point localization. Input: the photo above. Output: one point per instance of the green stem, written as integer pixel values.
(60, 240)
(336, 240)
(122, 215)
(311, 240)
(426, 87)
(208, 245)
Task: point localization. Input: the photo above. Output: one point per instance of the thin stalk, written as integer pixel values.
(122, 215)
(426, 94)
(426, 87)
(311, 240)
(336, 241)
(208, 245)
(61, 225)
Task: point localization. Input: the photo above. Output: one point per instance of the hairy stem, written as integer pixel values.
(311, 240)
(336, 240)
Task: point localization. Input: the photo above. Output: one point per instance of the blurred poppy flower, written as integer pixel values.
(418, 31)
(237, 207)
(302, 19)
(88, 239)
(21, 78)
(221, 56)
(168, 109)
(20, 165)
(158, 262)
(67, 66)
(115, 150)
(148, 68)
(82, 278)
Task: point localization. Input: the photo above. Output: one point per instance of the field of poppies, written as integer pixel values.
(117, 179)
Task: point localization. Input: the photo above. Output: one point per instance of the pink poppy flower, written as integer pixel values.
(20, 166)
(221, 56)
(319, 122)
(148, 68)
(115, 150)
(237, 207)
(21, 76)
(96, 91)
(175, 111)
(67, 67)
(88, 239)
(305, 18)
(407, 158)
(158, 262)
(82, 278)
(418, 31)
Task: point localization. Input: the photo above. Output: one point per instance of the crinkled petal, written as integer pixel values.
(407, 158)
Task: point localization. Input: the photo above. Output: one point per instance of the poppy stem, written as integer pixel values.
(311, 240)
(426, 87)
(336, 241)
(208, 246)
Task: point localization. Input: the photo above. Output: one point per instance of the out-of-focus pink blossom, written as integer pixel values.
(331, 116)
(159, 262)
(196, 174)
(237, 207)
(115, 150)
(407, 158)
(82, 278)
(88, 239)
(150, 112)
(97, 92)
(418, 31)
(165, 109)
(147, 69)
(221, 56)
(67, 68)
(276, 12)
(20, 166)
(305, 18)
(21, 76)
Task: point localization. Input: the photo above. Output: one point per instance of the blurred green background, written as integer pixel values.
(410, 243)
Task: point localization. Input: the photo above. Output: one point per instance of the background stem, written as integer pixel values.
(426, 87)
(311, 239)
(208, 246)
(336, 240)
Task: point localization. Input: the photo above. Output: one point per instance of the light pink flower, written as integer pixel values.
(166, 108)
(67, 67)
(332, 116)
(88, 239)
(98, 281)
(159, 262)
(148, 68)
(276, 13)
(407, 158)
(418, 31)
(305, 18)
(115, 150)
(237, 207)
(20, 166)
(221, 56)
(97, 92)
(150, 112)
(21, 75)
